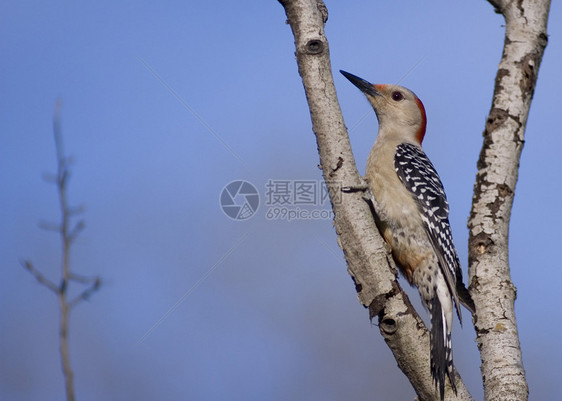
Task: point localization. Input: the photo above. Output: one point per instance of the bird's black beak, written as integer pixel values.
(365, 86)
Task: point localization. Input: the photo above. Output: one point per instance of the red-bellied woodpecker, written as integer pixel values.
(412, 214)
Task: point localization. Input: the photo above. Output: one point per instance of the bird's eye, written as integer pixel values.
(397, 96)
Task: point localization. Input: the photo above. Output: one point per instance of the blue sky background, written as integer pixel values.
(278, 317)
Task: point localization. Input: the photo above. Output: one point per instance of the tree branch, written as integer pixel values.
(42, 279)
(85, 295)
(63, 175)
(491, 286)
(75, 230)
(369, 263)
(68, 234)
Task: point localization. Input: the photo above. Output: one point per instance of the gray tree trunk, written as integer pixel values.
(490, 280)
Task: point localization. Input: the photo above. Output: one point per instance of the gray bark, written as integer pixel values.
(490, 281)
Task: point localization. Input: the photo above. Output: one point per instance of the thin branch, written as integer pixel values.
(76, 230)
(369, 263)
(85, 295)
(42, 279)
(491, 286)
(63, 175)
(68, 234)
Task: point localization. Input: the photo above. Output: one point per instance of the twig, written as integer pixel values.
(86, 293)
(42, 279)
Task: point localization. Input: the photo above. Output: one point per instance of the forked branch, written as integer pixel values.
(68, 234)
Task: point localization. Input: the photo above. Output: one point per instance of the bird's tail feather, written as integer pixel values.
(441, 348)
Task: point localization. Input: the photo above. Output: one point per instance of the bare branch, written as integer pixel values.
(42, 279)
(66, 238)
(85, 295)
(68, 233)
(491, 286)
(76, 230)
(369, 263)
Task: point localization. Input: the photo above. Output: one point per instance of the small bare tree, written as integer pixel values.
(370, 264)
(68, 233)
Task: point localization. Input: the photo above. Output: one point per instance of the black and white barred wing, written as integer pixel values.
(418, 175)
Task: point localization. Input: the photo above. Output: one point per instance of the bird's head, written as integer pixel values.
(398, 109)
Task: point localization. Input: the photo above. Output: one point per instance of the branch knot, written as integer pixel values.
(314, 46)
